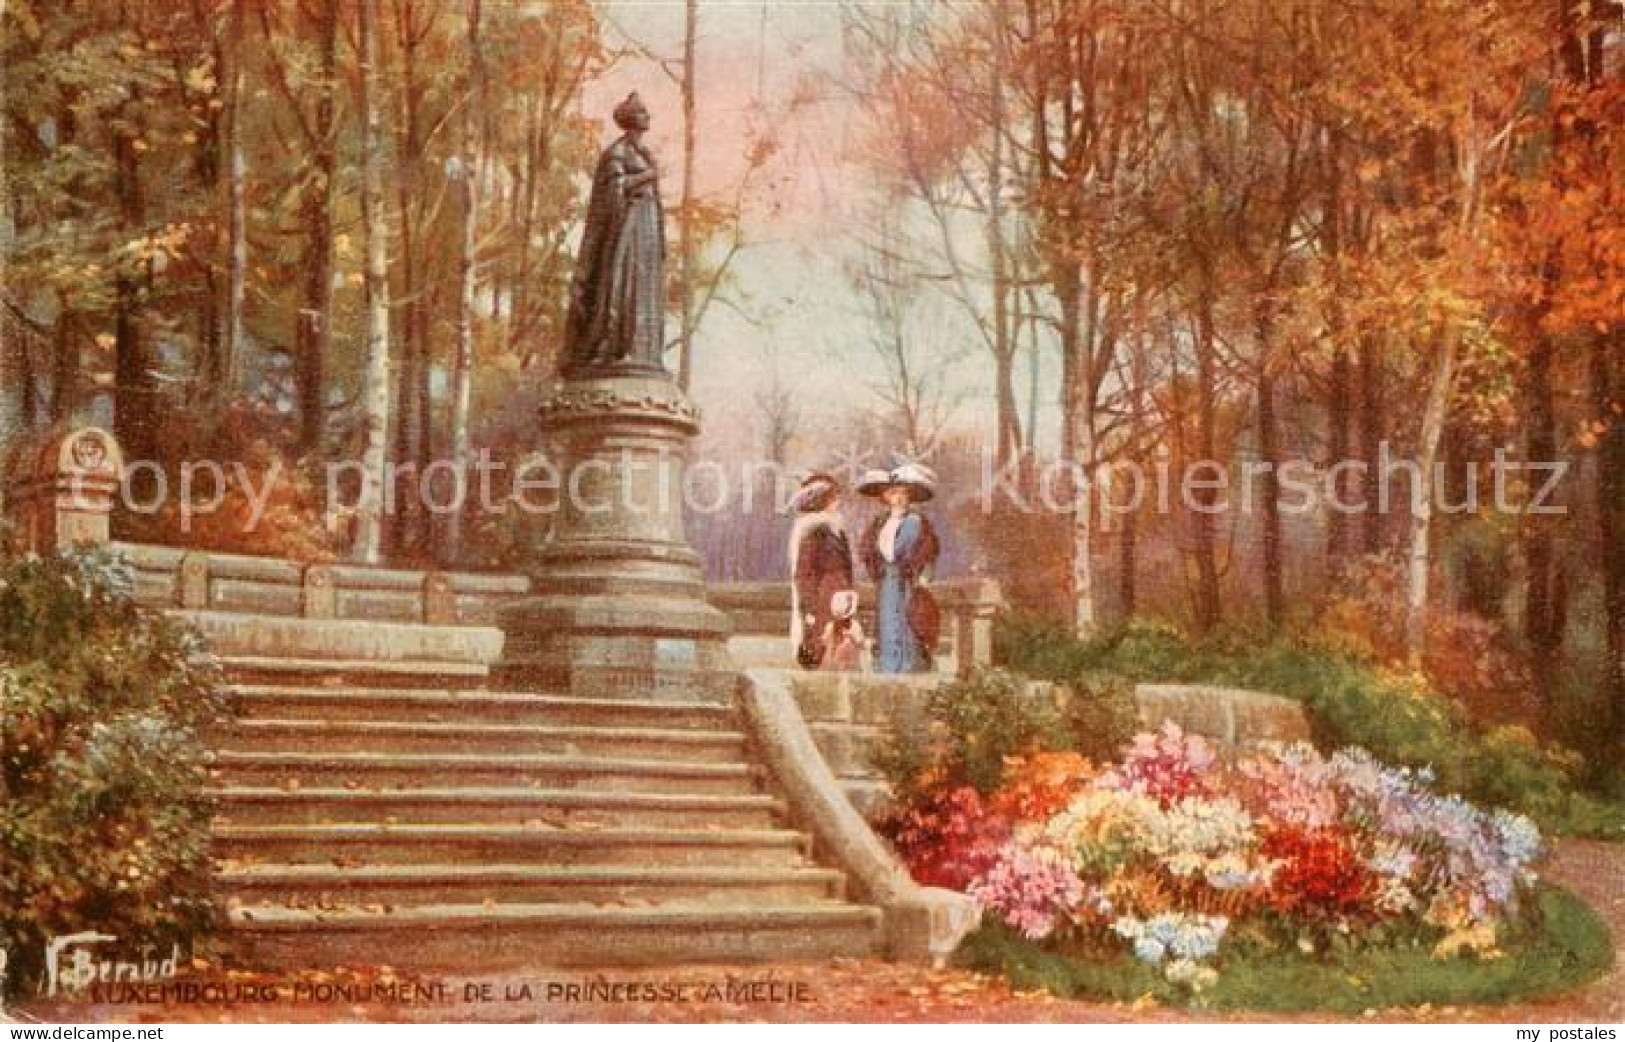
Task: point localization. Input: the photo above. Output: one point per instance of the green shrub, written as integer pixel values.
(101, 768)
(974, 725)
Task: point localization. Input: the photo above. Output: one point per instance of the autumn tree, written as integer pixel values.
(370, 508)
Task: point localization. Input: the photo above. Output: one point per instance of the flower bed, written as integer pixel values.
(1187, 865)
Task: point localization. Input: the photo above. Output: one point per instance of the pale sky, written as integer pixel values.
(754, 58)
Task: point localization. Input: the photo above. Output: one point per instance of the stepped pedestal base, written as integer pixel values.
(618, 609)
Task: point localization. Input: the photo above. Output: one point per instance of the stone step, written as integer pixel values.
(519, 844)
(328, 886)
(459, 936)
(410, 736)
(370, 639)
(337, 672)
(290, 770)
(283, 701)
(564, 807)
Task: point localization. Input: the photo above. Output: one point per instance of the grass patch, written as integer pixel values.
(1561, 944)
(1590, 817)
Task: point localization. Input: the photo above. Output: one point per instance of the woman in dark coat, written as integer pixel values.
(899, 549)
(820, 565)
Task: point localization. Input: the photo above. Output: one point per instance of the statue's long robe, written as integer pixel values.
(618, 296)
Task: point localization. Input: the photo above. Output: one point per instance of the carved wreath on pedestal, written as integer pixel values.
(619, 403)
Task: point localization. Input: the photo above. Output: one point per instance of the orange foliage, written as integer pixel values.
(1039, 786)
(1468, 658)
(269, 504)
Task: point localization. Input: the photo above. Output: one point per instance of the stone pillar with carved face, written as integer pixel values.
(60, 490)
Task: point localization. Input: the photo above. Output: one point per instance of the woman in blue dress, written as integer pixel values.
(899, 548)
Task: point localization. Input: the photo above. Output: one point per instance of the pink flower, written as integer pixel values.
(1168, 766)
(1031, 888)
(1290, 785)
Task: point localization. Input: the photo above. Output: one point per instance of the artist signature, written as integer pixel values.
(71, 964)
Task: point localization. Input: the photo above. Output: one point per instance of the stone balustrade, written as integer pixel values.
(760, 612)
(197, 580)
(59, 492)
(58, 489)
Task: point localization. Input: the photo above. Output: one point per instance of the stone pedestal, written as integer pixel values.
(617, 607)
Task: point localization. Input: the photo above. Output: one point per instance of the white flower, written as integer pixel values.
(1191, 974)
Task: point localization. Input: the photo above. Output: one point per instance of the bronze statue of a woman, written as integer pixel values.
(618, 295)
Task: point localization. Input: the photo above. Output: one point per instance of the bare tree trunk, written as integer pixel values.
(1582, 50)
(1337, 387)
(1203, 539)
(525, 199)
(1085, 620)
(1035, 358)
(1129, 537)
(1605, 408)
(223, 379)
(401, 529)
(463, 363)
(313, 335)
(1081, 421)
(1128, 551)
(1422, 496)
(1269, 459)
(1337, 448)
(375, 389)
(686, 260)
(1542, 610)
(1007, 412)
(1371, 434)
(1434, 414)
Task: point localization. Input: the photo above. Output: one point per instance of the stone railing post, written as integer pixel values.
(192, 582)
(978, 605)
(320, 595)
(439, 600)
(60, 490)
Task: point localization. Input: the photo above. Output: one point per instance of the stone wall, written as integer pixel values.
(852, 716)
(1228, 715)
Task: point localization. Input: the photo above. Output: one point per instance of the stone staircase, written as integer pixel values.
(388, 808)
(382, 800)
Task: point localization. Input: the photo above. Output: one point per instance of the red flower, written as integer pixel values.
(948, 836)
(1319, 874)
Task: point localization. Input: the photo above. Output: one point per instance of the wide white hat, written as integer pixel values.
(916, 477)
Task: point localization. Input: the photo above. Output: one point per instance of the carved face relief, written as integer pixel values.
(89, 452)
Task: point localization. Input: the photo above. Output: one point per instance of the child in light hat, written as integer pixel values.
(843, 634)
